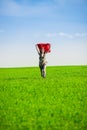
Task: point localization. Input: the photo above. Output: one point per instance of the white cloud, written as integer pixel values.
(68, 35)
(62, 34)
(80, 34)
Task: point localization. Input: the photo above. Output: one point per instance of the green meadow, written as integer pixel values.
(30, 102)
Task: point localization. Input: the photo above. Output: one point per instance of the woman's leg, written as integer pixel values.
(44, 70)
(40, 66)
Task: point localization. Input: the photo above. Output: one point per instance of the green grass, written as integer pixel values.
(29, 102)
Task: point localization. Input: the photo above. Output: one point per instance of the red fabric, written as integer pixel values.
(45, 46)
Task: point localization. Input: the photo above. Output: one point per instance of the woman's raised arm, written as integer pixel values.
(37, 49)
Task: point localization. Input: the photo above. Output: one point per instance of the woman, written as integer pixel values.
(42, 61)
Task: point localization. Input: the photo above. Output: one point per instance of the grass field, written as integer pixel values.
(29, 102)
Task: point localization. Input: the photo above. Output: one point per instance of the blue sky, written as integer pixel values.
(23, 23)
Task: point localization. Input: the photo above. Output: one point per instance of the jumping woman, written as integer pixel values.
(42, 60)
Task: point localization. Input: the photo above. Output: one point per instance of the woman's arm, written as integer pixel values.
(37, 49)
